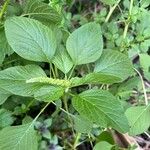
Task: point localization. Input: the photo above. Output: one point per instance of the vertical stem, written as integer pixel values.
(67, 110)
(4, 8)
(71, 71)
(76, 141)
(111, 11)
(128, 20)
(144, 89)
(125, 30)
(52, 69)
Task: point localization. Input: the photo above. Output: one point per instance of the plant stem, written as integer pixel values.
(144, 89)
(52, 69)
(67, 110)
(4, 8)
(128, 20)
(76, 141)
(71, 71)
(111, 11)
(42, 110)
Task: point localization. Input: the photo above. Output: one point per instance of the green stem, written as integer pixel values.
(42, 110)
(76, 141)
(71, 72)
(144, 89)
(128, 20)
(111, 11)
(4, 9)
(52, 69)
(67, 110)
(125, 30)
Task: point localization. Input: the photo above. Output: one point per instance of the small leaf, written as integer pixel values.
(42, 12)
(102, 108)
(139, 119)
(30, 39)
(62, 60)
(94, 78)
(109, 2)
(82, 125)
(113, 63)
(14, 79)
(5, 49)
(4, 95)
(145, 64)
(49, 93)
(6, 118)
(21, 137)
(103, 146)
(85, 44)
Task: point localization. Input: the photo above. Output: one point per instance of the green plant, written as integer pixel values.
(87, 75)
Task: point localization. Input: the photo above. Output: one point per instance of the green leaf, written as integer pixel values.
(30, 39)
(85, 44)
(145, 64)
(94, 78)
(103, 146)
(101, 107)
(113, 63)
(139, 119)
(4, 95)
(14, 79)
(82, 125)
(42, 12)
(21, 137)
(6, 118)
(62, 60)
(109, 2)
(5, 49)
(49, 93)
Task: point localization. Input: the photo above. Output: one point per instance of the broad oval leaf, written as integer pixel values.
(101, 107)
(139, 119)
(113, 63)
(49, 93)
(30, 39)
(21, 137)
(85, 44)
(14, 79)
(62, 60)
(42, 12)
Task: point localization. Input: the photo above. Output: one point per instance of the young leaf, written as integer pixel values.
(101, 107)
(103, 146)
(21, 137)
(62, 60)
(14, 79)
(85, 44)
(42, 12)
(94, 78)
(145, 64)
(6, 118)
(49, 93)
(5, 49)
(4, 95)
(30, 39)
(115, 64)
(138, 118)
